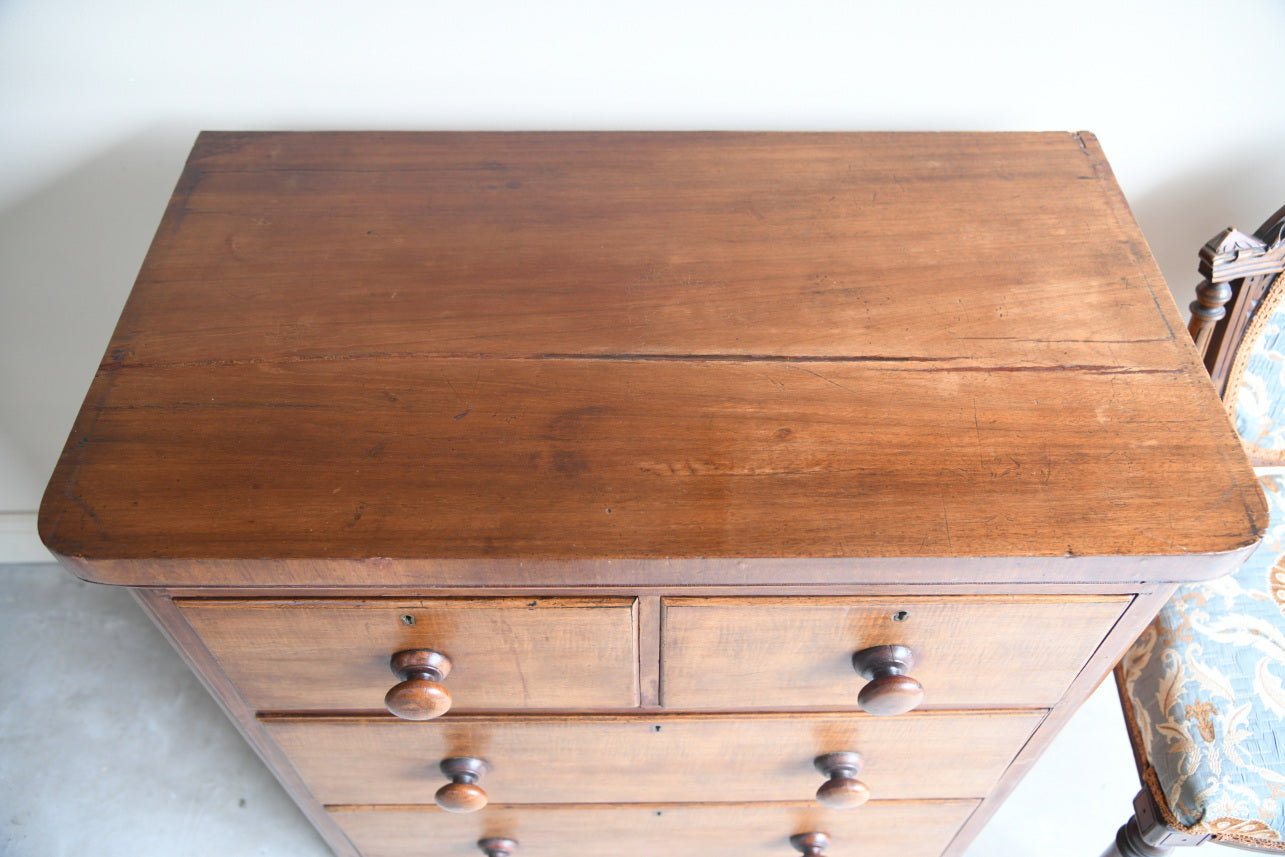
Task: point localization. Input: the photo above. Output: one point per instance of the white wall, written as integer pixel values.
(99, 103)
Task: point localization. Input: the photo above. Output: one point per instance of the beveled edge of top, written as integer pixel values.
(672, 575)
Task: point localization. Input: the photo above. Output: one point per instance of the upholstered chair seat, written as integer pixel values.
(1204, 692)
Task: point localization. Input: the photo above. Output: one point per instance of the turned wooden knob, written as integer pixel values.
(889, 690)
(462, 794)
(810, 844)
(843, 790)
(495, 847)
(419, 695)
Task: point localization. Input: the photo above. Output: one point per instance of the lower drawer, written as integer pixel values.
(651, 759)
(878, 829)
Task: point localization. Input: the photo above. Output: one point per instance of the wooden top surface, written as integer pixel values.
(426, 352)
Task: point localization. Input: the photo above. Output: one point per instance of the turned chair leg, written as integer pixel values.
(1129, 843)
(1146, 835)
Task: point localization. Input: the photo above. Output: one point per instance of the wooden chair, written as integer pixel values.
(1203, 689)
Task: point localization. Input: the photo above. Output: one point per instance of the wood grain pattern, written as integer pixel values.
(658, 347)
(1136, 617)
(588, 759)
(913, 829)
(679, 244)
(731, 653)
(506, 653)
(622, 459)
(161, 610)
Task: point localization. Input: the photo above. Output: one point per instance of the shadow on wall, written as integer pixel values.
(1242, 189)
(69, 253)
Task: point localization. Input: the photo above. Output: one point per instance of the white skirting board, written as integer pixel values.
(19, 541)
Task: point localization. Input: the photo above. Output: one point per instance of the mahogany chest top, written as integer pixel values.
(648, 359)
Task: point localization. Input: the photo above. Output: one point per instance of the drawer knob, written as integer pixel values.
(420, 695)
(889, 690)
(810, 844)
(462, 794)
(495, 847)
(843, 790)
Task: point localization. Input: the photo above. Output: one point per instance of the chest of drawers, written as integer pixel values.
(683, 493)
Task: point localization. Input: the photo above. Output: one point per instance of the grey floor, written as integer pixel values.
(109, 746)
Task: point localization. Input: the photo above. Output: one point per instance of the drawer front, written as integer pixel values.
(505, 653)
(878, 829)
(756, 653)
(682, 759)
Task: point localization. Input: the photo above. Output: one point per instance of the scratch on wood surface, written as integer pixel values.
(93, 516)
(1155, 298)
(1222, 498)
(774, 382)
(827, 380)
(977, 426)
(1008, 471)
(1164, 541)
(945, 514)
(447, 379)
(254, 469)
(1258, 528)
(517, 668)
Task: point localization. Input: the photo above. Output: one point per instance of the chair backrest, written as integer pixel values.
(1238, 322)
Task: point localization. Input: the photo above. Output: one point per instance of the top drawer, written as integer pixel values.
(505, 653)
(778, 653)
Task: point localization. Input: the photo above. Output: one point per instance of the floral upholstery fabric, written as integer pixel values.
(1256, 384)
(1205, 696)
